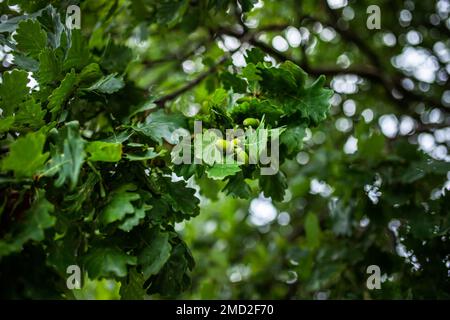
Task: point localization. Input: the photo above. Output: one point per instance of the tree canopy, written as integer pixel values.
(91, 122)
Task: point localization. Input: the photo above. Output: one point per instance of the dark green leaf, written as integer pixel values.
(107, 261)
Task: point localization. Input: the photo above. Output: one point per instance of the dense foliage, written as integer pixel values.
(90, 118)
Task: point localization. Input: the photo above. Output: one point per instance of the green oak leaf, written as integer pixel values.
(156, 253)
(104, 151)
(67, 154)
(237, 187)
(29, 6)
(254, 55)
(219, 98)
(231, 80)
(221, 171)
(274, 186)
(255, 108)
(26, 63)
(30, 115)
(132, 220)
(50, 66)
(77, 198)
(173, 277)
(120, 204)
(315, 101)
(292, 138)
(25, 157)
(50, 19)
(63, 252)
(30, 37)
(132, 288)
(90, 73)
(104, 262)
(178, 195)
(182, 198)
(13, 90)
(109, 84)
(31, 228)
(78, 55)
(6, 124)
(285, 81)
(116, 57)
(252, 74)
(286, 87)
(171, 12)
(143, 155)
(61, 94)
(159, 126)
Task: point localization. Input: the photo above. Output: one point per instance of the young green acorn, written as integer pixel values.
(251, 122)
(225, 145)
(241, 155)
(244, 99)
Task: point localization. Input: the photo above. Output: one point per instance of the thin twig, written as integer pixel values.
(191, 84)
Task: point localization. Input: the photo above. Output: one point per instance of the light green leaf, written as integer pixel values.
(140, 156)
(120, 204)
(108, 84)
(220, 171)
(219, 98)
(90, 73)
(104, 151)
(25, 157)
(6, 124)
(251, 72)
(131, 221)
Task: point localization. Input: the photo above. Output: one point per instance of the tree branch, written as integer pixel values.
(191, 84)
(175, 57)
(390, 84)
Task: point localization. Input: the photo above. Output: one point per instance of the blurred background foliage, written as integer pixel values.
(370, 186)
